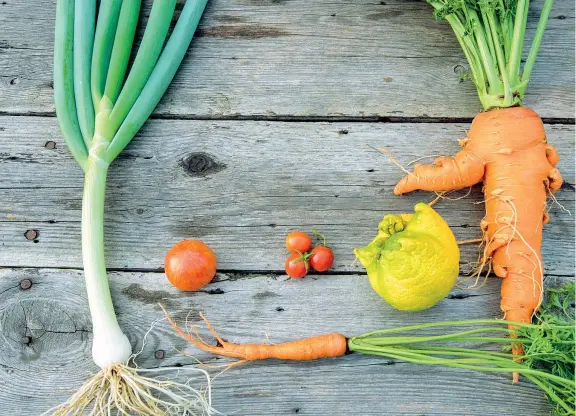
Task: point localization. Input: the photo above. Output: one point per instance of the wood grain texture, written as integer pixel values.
(246, 186)
(45, 334)
(298, 58)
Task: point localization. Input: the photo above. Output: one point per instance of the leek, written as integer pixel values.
(100, 110)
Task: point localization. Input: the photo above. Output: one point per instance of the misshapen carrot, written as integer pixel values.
(322, 346)
(506, 149)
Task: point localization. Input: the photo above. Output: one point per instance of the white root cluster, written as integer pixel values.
(125, 390)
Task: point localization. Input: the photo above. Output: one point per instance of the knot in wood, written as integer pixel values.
(201, 164)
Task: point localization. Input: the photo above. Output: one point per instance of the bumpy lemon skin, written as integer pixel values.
(413, 263)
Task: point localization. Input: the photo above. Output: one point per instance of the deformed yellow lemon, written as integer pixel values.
(413, 261)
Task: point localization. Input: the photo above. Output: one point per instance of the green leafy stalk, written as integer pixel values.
(84, 22)
(108, 15)
(64, 99)
(161, 76)
(549, 347)
(122, 47)
(491, 34)
(518, 41)
(536, 42)
(154, 36)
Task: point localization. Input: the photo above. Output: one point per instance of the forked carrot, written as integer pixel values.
(506, 147)
(507, 150)
(437, 344)
(313, 348)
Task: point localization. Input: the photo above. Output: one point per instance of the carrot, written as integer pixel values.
(313, 348)
(549, 362)
(507, 150)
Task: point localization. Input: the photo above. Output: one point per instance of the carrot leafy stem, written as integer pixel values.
(491, 34)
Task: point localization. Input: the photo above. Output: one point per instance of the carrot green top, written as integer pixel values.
(491, 34)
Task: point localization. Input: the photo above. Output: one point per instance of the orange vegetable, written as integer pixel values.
(322, 346)
(507, 150)
(190, 265)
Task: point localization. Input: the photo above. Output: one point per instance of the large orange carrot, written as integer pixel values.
(506, 146)
(506, 149)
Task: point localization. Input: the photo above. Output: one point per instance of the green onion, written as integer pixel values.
(100, 110)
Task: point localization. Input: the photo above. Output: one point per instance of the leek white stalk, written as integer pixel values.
(109, 344)
(100, 111)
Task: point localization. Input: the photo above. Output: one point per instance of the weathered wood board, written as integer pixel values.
(299, 58)
(269, 126)
(45, 338)
(249, 183)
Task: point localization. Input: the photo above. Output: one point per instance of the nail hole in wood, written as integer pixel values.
(159, 355)
(50, 145)
(31, 234)
(25, 284)
(280, 309)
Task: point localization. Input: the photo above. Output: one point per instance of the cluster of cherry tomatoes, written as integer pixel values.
(303, 257)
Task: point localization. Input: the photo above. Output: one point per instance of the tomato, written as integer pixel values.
(296, 266)
(298, 241)
(321, 258)
(190, 265)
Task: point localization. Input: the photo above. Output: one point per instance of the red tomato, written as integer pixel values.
(296, 266)
(298, 241)
(190, 265)
(321, 258)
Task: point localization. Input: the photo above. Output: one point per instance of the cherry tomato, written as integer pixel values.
(190, 265)
(296, 266)
(321, 258)
(298, 241)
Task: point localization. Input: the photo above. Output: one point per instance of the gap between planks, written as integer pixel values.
(302, 119)
(244, 273)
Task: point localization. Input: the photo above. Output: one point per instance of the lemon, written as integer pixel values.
(413, 261)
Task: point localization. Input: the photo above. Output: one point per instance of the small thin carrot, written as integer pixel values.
(313, 348)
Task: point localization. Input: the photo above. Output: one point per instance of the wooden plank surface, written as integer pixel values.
(257, 181)
(241, 185)
(326, 58)
(45, 334)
